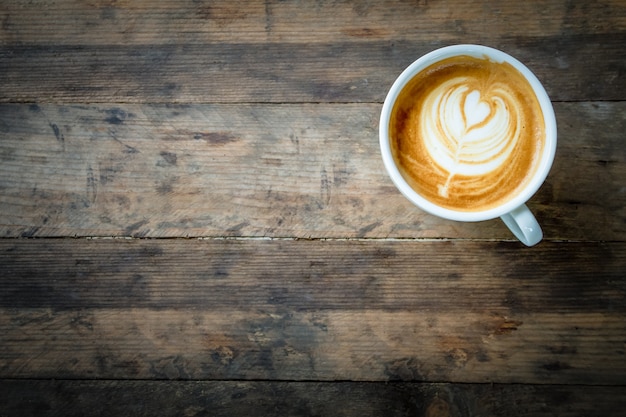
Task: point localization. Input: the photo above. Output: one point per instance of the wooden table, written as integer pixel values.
(195, 219)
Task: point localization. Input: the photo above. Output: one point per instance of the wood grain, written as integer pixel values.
(129, 127)
(206, 52)
(304, 399)
(140, 22)
(313, 310)
(305, 171)
(571, 68)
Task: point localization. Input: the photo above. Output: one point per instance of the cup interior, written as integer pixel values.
(478, 51)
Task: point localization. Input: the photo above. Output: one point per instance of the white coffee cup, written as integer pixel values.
(514, 212)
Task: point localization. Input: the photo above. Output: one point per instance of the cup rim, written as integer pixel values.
(479, 51)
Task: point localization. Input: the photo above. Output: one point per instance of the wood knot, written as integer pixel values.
(457, 357)
(508, 326)
(438, 408)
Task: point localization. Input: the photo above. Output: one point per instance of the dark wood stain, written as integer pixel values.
(556, 366)
(131, 229)
(108, 13)
(166, 188)
(57, 133)
(169, 157)
(404, 369)
(116, 116)
(216, 138)
(92, 185)
(366, 229)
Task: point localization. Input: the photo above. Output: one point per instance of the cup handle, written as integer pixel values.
(523, 225)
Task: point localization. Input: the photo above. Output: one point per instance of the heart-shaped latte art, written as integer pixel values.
(474, 110)
(466, 131)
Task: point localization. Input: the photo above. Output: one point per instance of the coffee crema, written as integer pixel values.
(467, 133)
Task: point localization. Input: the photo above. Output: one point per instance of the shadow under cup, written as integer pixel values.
(512, 210)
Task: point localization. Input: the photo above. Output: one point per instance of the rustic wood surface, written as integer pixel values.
(274, 51)
(314, 310)
(277, 399)
(195, 220)
(305, 170)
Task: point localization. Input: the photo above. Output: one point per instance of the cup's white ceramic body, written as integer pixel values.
(514, 212)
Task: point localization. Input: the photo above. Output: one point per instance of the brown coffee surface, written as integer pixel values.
(467, 133)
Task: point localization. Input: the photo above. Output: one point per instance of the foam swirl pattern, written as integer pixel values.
(468, 133)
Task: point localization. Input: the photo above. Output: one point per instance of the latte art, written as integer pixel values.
(467, 133)
(464, 134)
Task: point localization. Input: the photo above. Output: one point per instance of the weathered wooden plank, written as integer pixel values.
(75, 22)
(356, 345)
(303, 399)
(456, 311)
(571, 68)
(72, 51)
(399, 275)
(308, 170)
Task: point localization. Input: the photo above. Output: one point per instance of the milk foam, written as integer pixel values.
(466, 131)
